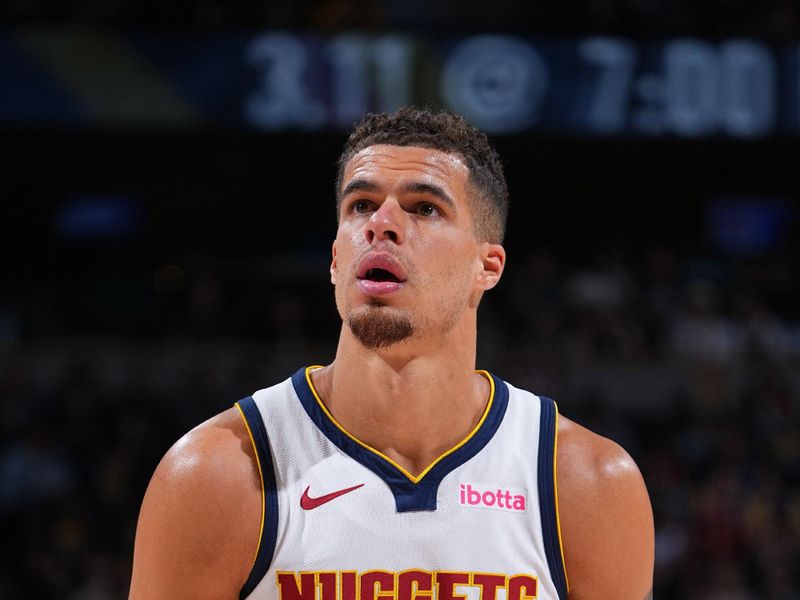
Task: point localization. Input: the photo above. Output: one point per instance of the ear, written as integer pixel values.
(333, 263)
(493, 261)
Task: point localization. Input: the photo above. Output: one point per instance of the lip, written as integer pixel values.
(379, 288)
(387, 262)
(381, 260)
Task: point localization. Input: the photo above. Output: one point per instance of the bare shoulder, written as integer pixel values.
(593, 463)
(198, 527)
(214, 454)
(605, 516)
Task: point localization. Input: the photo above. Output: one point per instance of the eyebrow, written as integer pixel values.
(429, 189)
(360, 185)
(364, 185)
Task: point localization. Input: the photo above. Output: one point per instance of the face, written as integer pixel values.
(406, 263)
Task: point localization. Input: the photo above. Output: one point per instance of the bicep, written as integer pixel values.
(197, 529)
(607, 522)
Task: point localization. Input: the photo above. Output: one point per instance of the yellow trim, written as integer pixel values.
(261, 477)
(412, 478)
(555, 487)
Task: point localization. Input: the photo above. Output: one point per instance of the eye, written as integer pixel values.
(426, 209)
(360, 207)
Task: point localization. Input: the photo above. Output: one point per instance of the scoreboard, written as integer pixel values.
(506, 84)
(595, 85)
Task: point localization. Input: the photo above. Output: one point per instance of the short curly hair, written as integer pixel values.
(446, 132)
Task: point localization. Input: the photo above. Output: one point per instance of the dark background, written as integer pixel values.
(630, 296)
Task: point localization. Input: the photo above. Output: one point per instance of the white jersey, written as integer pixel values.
(341, 521)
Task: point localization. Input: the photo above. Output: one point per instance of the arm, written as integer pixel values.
(199, 523)
(606, 518)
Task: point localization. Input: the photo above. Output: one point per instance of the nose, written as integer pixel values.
(386, 223)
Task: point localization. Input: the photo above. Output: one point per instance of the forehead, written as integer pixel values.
(386, 163)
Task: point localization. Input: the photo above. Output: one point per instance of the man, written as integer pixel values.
(398, 471)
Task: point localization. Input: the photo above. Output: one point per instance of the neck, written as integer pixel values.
(410, 404)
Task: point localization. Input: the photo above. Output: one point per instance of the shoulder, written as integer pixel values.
(198, 527)
(592, 462)
(605, 516)
(215, 459)
(211, 454)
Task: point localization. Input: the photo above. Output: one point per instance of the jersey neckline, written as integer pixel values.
(410, 492)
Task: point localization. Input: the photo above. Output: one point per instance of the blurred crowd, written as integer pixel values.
(772, 19)
(715, 430)
(691, 360)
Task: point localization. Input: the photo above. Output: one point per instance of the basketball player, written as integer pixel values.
(398, 471)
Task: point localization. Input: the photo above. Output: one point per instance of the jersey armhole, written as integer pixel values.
(268, 532)
(548, 496)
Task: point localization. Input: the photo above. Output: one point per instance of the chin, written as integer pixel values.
(379, 326)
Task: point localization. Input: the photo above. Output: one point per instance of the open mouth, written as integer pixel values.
(377, 274)
(381, 267)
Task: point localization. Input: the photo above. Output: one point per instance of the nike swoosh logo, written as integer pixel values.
(309, 503)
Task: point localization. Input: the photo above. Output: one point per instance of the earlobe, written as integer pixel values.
(493, 261)
(333, 264)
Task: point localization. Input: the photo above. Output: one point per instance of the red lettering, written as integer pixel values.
(376, 585)
(292, 589)
(522, 582)
(489, 584)
(446, 583)
(488, 498)
(327, 585)
(519, 502)
(473, 496)
(415, 585)
(349, 585)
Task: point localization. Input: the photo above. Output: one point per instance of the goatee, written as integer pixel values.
(379, 326)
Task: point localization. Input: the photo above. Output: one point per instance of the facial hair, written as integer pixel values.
(378, 326)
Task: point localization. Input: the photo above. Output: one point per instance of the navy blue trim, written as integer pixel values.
(408, 496)
(547, 495)
(269, 536)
